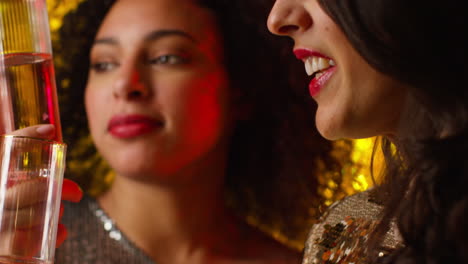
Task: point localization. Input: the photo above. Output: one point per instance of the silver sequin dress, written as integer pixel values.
(93, 238)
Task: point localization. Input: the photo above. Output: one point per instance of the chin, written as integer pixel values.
(144, 171)
(334, 125)
(132, 172)
(129, 166)
(328, 130)
(329, 134)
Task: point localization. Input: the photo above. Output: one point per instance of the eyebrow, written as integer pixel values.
(155, 35)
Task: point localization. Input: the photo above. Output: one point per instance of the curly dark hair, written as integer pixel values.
(276, 156)
(423, 44)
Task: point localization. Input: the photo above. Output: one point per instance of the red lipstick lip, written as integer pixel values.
(304, 53)
(131, 126)
(317, 83)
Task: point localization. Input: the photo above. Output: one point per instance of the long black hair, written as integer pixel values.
(423, 44)
(276, 155)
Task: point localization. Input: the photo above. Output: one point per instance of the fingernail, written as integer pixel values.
(45, 129)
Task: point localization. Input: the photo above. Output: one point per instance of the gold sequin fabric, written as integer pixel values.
(94, 238)
(340, 235)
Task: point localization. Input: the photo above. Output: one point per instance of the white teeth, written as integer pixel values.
(323, 64)
(308, 66)
(315, 64)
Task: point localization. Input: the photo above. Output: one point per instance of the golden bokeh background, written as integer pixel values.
(356, 173)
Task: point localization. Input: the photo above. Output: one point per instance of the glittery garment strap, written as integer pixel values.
(340, 235)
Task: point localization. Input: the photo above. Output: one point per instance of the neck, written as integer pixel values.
(173, 221)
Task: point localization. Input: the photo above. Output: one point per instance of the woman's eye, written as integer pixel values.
(168, 59)
(103, 66)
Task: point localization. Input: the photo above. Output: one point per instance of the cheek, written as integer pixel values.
(354, 104)
(213, 103)
(202, 107)
(335, 107)
(373, 107)
(93, 105)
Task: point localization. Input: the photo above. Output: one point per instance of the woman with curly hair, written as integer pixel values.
(187, 103)
(395, 69)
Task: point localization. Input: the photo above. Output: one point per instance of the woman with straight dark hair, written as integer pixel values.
(395, 69)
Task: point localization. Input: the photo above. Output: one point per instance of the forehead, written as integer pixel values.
(142, 16)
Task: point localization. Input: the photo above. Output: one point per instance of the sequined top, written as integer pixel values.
(93, 238)
(340, 235)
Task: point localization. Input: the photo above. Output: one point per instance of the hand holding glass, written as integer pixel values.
(31, 172)
(27, 82)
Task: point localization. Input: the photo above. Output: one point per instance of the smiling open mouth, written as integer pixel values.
(315, 66)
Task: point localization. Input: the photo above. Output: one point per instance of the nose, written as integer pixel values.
(131, 85)
(288, 17)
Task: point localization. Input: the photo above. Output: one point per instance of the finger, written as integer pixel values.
(61, 235)
(71, 191)
(46, 131)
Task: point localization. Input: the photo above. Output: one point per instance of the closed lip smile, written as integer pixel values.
(317, 65)
(132, 125)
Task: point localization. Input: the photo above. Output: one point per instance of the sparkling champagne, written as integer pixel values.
(27, 92)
